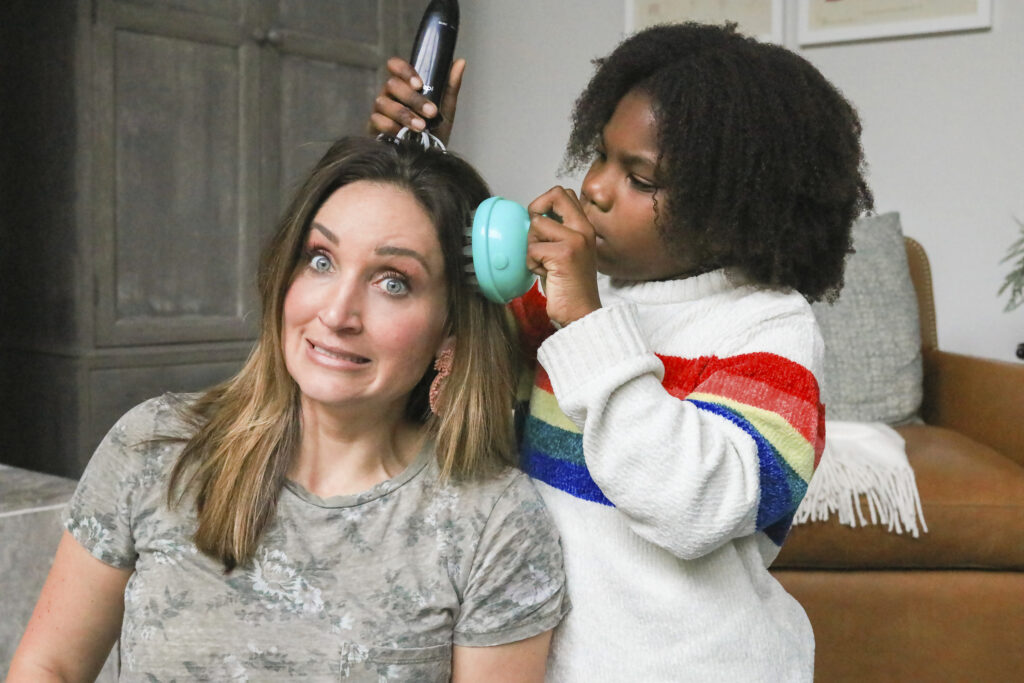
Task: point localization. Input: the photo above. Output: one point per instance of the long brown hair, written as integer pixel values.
(248, 429)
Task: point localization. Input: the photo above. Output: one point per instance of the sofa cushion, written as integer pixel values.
(973, 503)
(897, 626)
(871, 333)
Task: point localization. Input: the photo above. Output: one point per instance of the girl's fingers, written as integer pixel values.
(565, 207)
(399, 103)
(402, 69)
(402, 92)
(379, 123)
(388, 113)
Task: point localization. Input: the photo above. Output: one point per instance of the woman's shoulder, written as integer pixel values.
(152, 427)
(507, 483)
(489, 500)
(158, 414)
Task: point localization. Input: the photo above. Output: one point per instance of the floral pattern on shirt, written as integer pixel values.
(373, 587)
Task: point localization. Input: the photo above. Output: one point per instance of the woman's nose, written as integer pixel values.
(342, 310)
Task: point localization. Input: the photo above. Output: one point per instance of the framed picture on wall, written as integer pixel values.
(838, 21)
(759, 18)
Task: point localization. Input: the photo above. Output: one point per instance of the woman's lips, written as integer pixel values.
(336, 354)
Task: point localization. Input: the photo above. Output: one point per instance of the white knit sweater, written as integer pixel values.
(686, 427)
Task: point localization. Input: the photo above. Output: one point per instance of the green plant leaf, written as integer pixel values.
(1015, 278)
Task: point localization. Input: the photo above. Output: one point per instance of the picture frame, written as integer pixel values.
(762, 19)
(839, 21)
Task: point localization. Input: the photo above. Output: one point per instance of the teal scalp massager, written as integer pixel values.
(498, 247)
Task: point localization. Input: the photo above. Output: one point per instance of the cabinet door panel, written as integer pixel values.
(177, 240)
(176, 251)
(354, 20)
(320, 102)
(225, 9)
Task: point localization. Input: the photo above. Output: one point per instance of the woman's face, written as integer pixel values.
(365, 315)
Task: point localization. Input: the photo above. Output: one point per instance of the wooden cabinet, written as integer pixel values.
(148, 148)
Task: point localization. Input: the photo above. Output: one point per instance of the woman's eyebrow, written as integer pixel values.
(388, 250)
(327, 233)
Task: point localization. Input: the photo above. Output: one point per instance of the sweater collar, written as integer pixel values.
(674, 291)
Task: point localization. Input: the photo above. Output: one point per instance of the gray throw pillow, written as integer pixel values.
(872, 337)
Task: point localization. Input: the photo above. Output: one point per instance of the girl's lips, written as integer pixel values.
(336, 354)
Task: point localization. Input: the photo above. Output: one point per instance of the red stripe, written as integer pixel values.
(542, 381)
(683, 375)
(801, 414)
(530, 312)
(763, 380)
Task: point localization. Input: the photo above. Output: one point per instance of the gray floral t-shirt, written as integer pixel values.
(370, 587)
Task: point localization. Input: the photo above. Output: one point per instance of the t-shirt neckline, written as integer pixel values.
(377, 491)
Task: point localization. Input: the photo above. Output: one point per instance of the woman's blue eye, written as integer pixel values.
(395, 286)
(320, 263)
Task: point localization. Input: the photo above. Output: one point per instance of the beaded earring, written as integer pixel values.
(443, 365)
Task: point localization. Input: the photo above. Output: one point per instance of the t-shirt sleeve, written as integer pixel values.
(516, 584)
(99, 515)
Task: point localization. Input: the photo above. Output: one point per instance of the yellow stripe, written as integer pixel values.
(544, 406)
(791, 445)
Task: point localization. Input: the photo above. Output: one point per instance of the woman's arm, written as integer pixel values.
(520, 662)
(76, 620)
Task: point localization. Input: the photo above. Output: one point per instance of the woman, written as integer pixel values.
(339, 509)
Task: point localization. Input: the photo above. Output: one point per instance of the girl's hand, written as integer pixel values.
(563, 254)
(399, 103)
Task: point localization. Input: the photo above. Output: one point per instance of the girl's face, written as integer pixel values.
(365, 315)
(618, 196)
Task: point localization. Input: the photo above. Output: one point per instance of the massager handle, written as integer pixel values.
(434, 49)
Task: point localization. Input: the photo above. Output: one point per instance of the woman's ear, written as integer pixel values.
(447, 344)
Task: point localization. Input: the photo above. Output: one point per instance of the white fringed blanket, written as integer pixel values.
(864, 462)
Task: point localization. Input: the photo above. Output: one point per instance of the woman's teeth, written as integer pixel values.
(339, 356)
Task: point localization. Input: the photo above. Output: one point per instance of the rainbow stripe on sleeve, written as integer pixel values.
(772, 399)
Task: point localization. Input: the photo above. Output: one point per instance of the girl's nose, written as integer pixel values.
(342, 310)
(596, 189)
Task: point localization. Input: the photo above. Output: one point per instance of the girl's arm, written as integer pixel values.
(720, 449)
(693, 452)
(520, 662)
(76, 620)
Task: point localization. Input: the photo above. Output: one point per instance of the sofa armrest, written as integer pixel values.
(979, 397)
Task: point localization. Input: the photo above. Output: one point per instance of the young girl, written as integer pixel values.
(674, 421)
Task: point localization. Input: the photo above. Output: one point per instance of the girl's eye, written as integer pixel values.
(642, 185)
(394, 285)
(320, 263)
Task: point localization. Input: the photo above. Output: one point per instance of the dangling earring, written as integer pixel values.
(443, 365)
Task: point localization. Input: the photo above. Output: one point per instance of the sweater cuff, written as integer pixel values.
(589, 348)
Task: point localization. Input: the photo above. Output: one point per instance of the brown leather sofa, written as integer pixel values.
(949, 605)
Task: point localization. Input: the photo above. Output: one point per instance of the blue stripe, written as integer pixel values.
(778, 531)
(553, 441)
(781, 488)
(563, 475)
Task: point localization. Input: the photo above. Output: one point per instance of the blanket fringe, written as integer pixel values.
(841, 486)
